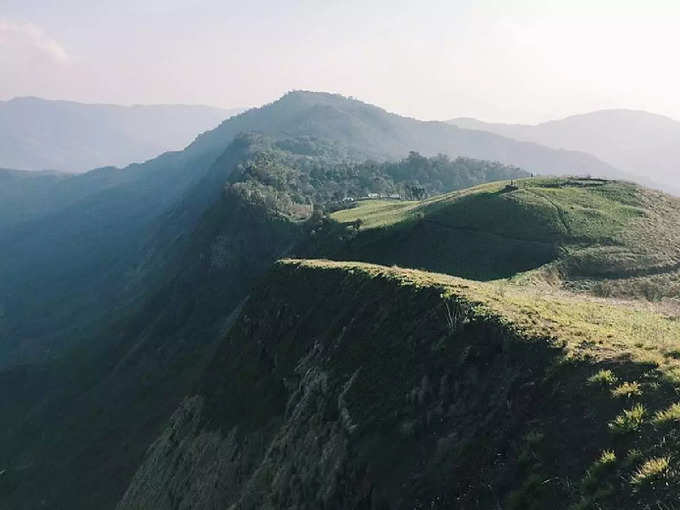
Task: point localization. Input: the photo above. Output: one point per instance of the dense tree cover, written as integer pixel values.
(288, 177)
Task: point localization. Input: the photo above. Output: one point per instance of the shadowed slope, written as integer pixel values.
(346, 385)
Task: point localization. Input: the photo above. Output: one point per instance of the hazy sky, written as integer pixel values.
(510, 60)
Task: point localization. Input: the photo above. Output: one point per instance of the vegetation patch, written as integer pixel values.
(627, 390)
(617, 346)
(629, 421)
(608, 238)
(669, 415)
(604, 377)
(651, 471)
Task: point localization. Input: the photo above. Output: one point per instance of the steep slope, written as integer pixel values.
(345, 385)
(77, 426)
(116, 294)
(23, 194)
(84, 247)
(608, 237)
(641, 143)
(40, 134)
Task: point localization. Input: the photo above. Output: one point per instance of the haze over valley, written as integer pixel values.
(313, 295)
(37, 134)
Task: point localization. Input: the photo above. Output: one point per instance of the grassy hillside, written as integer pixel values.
(93, 410)
(609, 237)
(120, 290)
(345, 384)
(83, 246)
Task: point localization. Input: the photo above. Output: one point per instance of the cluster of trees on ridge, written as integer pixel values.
(290, 183)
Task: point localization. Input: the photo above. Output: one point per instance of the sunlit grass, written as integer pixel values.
(374, 213)
(653, 469)
(593, 333)
(597, 329)
(629, 421)
(627, 390)
(616, 239)
(604, 377)
(668, 415)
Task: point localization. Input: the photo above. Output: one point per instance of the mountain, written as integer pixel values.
(348, 385)
(373, 132)
(41, 134)
(607, 237)
(117, 294)
(83, 248)
(92, 367)
(640, 143)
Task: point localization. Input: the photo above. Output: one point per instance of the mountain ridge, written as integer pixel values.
(351, 385)
(68, 136)
(638, 142)
(117, 297)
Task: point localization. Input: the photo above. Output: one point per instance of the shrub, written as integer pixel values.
(629, 421)
(650, 471)
(603, 377)
(671, 414)
(627, 390)
(607, 457)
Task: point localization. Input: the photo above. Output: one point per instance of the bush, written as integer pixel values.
(651, 471)
(671, 414)
(604, 378)
(627, 390)
(629, 421)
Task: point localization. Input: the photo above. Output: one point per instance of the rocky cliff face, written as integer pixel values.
(336, 389)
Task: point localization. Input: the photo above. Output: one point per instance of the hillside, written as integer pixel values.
(347, 385)
(608, 237)
(640, 143)
(93, 413)
(116, 294)
(41, 134)
(372, 132)
(86, 244)
(93, 405)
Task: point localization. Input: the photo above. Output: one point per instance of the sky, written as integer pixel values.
(506, 61)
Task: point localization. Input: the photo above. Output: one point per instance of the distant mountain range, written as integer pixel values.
(639, 143)
(41, 134)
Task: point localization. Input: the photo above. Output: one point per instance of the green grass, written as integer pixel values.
(629, 421)
(376, 213)
(668, 415)
(604, 377)
(617, 361)
(651, 471)
(594, 328)
(627, 390)
(557, 209)
(606, 237)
